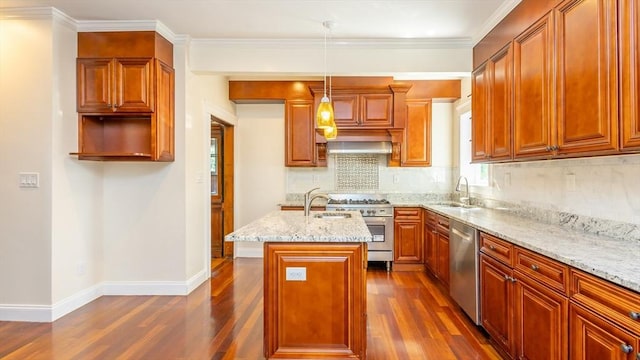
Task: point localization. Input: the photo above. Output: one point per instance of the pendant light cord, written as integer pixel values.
(325, 60)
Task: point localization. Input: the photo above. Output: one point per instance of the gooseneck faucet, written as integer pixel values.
(464, 199)
(308, 199)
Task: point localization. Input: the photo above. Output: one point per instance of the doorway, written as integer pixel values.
(221, 168)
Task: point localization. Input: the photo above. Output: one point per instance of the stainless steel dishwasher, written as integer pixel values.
(464, 268)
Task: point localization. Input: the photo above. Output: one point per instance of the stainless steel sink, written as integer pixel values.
(454, 204)
(332, 215)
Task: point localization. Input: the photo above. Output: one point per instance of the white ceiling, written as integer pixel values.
(460, 20)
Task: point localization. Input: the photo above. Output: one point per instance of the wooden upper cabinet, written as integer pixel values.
(587, 76)
(533, 120)
(354, 110)
(500, 109)
(629, 75)
(479, 113)
(416, 145)
(125, 96)
(299, 133)
(492, 108)
(376, 110)
(115, 85)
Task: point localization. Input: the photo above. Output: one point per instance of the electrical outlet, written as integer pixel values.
(396, 179)
(29, 179)
(81, 268)
(570, 182)
(296, 274)
(507, 179)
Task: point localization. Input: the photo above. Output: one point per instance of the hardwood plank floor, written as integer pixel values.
(408, 315)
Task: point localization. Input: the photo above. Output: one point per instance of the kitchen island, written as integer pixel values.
(314, 283)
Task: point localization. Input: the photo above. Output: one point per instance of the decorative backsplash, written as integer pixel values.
(357, 172)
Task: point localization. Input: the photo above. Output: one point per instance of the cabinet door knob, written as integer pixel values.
(634, 315)
(535, 267)
(548, 148)
(627, 349)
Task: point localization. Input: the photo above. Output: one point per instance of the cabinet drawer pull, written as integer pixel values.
(535, 267)
(491, 247)
(627, 349)
(634, 315)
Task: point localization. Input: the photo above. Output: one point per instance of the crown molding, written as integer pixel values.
(379, 43)
(495, 18)
(127, 25)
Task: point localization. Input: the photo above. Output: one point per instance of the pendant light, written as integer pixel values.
(325, 116)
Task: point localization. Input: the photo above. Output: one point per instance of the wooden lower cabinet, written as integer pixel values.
(430, 238)
(525, 315)
(604, 319)
(436, 246)
(315, 300)
(593, 338)
(496, 301)
(442, 250)
(541, 330)
(408, 239)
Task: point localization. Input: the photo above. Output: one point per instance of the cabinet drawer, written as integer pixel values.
(442, 224)
(497, 248)
(549, 272)
(407, 214)
(430, 217)
(611, 301)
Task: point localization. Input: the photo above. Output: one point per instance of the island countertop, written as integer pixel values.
(293, 226)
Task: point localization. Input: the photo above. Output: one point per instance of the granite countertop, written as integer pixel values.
(617, 260)
(293, 226)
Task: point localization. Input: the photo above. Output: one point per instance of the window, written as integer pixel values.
(477, 174)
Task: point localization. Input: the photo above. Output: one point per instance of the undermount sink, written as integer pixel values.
(332, 215)
(457, 205)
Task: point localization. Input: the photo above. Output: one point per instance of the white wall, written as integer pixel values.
(260, 172)
(602, 187)
(26, 80)
(77, 258)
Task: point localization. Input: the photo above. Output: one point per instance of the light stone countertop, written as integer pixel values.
(293, 226)
(617, 260)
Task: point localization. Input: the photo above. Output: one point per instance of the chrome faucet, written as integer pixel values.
(464, 199)
(308, 199)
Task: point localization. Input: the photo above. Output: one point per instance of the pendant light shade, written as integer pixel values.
(325, 115)
(331, 133)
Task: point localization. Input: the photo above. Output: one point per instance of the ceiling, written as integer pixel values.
(460, 20)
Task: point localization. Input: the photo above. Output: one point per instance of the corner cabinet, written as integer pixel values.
(125, 97)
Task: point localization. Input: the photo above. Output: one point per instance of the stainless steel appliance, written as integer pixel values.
(378, 215)
(464, 268)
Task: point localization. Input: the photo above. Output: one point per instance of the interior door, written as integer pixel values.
(221, 168)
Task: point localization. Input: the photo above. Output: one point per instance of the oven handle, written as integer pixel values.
(380, 220)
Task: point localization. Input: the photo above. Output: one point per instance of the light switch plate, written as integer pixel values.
(296, 274)
(29, 179)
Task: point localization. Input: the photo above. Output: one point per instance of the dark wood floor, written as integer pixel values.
(409, 318)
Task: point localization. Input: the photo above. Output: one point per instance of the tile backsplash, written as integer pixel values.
(370, 173)
(357, 172)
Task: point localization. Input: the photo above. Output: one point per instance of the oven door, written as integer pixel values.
(381, 228)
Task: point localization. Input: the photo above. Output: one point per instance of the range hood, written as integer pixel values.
(359, 147)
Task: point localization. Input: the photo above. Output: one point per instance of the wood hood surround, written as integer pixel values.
(390, 100)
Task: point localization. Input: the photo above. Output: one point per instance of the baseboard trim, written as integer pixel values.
(50, 313)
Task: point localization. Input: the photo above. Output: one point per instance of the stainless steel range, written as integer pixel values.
(378, 215)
